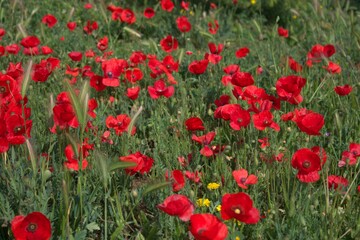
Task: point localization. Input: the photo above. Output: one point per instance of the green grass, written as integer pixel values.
(103, 202)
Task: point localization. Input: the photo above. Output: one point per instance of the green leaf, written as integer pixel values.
(92, 226)
(117, 165)
(155, 187)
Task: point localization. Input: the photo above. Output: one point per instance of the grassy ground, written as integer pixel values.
(103, 202)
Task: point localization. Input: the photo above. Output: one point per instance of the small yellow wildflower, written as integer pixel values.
(253, 2)
(213, 186)
(237, 238)
(191, 13)
(203, 202)
(294, 17)
(218, 208)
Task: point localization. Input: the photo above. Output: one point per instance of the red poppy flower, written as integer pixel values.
(283, 32)
(226, 111)
(72, 161)
(308, 121)
(92, 105)
(194, 124)
(2, 50)
(64, 114)
(198, 67)
(263, 120)
(88, 6)
(169, 43)
(239, 119)
(242, 79)
(264, 142)
(289, 88)
(75, 56)
(112, 69)
(213, 27)
(133, 92)
(178, 205)
(185, 5)
(102, 44)
(134, 75)
(242, 52)
(177, 178)
(170, 64)
(137, 57)
(18, 129)
(2, 32)
(183, 24)
(205, 140)
(128, 16)
(295, 66)
(318, 52)
(259, 70)
(8, 87)
(49, 20)
(239, 206)
(193, 176)
(206, 226)
(350, 157)
(71, 26)
(33, 226)
(120, 124)
(30, 42)
(160, 89)
(343, 90)
(15, 71)
(243, 179)
(308, 163)
(90, 27)
(45, 50)
(337, 182)
(167, 5)
(143, 163)
(149, 13)
(333, 68)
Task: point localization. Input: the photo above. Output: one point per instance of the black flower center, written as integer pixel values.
(32, 227)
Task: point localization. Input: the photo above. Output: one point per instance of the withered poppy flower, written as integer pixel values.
(239, 206)
(33, 226)
(206, 226)
(178, 205)
(49, 20)
(183, 24)
(143, 163)
(149, 13)
(343, 90)
(194, 124)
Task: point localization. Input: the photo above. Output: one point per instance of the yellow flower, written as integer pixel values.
(237, 238)
(253, 2)
(203, 202)
(218, 208)
(294, 17)
(213, 186)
